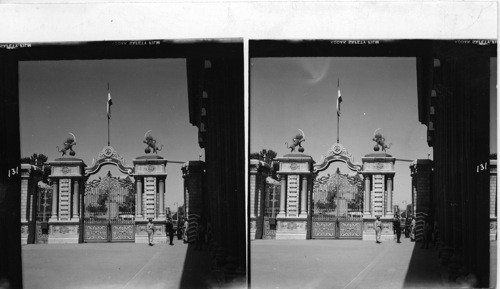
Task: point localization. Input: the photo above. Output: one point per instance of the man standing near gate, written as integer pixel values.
(397, 227)
(170, 230)
(378, 229)
(151, 229)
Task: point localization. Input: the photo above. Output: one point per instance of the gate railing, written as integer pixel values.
(43, 216)
(351, 215)
(271, 212)
(100, 218)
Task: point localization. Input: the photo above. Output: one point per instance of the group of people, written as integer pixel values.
(397, 227)
(203, 231)
(169, 229)
(430, 230)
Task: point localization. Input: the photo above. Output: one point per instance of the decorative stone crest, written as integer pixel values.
(337, 152)
(108, 155)
(339, 149)
(109, 152)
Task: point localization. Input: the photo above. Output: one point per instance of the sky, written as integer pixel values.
(287, 94)
(58, 97)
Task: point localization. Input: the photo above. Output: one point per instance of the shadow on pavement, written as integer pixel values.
(197, 271)
(424, 270)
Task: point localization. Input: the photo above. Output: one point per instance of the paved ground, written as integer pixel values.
(274, 264)
(116, 265)
(493, 264)
(343, 264)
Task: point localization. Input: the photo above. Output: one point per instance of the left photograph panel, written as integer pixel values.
(123, 165)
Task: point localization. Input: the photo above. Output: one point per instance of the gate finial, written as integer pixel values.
(297, 141)
(68, 146)
(379, 139)
(151, 142)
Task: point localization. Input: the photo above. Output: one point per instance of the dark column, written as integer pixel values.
(453, 95)
(10, 198)
(215, 88)
(193, 172)
(421, 173)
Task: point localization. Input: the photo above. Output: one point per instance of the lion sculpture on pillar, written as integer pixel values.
(297, 142)
(68, 146)
(151, 142)
(379, 139)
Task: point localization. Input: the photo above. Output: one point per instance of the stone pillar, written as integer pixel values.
(193, 173)
(389, 196)
(282, 196)
(161, 183)
(25, 174)
(138, 199)
(291, 222)
(421, 173)
(149, 175)
(259, 171)
(66, 173)
(378, 171)
(366, 198)
(76, 196)
(55, 194)
(30, 175)
(303, 197)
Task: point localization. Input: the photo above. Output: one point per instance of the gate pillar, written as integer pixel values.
(30, 175)
(378, 171)
(259, 171)
(295, 173)
(150, 174)
(66, 176)
(193, 173)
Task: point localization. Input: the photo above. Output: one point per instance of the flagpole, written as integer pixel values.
(338, 120)
(108, 116)
(338, 111)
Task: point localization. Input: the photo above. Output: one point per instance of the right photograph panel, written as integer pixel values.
(372, 163)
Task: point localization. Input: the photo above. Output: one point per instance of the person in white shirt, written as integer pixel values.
(378, 229)
(150, 228)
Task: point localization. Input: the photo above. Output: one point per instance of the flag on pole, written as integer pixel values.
(110, 102)
(339, 98)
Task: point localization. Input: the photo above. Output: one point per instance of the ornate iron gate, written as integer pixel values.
(109, 210)
(271, 208)
(337, 212)
(44, 210)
